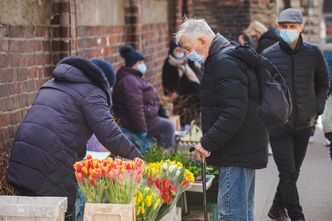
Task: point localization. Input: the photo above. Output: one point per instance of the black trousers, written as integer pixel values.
(289, 148)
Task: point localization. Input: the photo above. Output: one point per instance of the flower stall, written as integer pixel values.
(117, 189)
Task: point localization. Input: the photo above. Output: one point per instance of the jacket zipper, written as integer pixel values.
(293, 92)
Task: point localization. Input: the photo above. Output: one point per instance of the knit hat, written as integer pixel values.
(107, 68)
(172, 46)
(130, 55)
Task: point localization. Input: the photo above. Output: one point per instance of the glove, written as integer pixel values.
(142, 135)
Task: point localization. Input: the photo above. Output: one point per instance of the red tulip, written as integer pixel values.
(138, 178)
(121, 177)
(89, 157)
(110, 175)
(92, 181)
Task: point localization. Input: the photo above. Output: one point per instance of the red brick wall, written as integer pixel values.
(102, 42)
(155, 48)
(29, 54)
(25, 63)
(228, 17)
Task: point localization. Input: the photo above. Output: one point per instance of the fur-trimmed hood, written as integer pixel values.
(81, 70)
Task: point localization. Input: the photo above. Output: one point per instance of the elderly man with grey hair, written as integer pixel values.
(235, 138)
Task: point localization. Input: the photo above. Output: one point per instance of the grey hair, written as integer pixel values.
(193, 27)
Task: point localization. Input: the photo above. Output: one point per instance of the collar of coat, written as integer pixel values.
(218, 46)
(91, 71)
(289, 50)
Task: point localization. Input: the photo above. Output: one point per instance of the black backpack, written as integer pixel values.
(275, 104)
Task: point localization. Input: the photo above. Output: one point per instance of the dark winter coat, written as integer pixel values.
(267, 39)
(67, 110)
(233, 130)
(136, 101)
(305, 72)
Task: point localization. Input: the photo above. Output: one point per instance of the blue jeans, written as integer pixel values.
(236, 194)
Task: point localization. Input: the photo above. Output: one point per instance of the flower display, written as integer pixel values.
(109, 180)
(147, 203)
(171, 179)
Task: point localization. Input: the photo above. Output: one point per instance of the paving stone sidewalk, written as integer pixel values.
(315, 184)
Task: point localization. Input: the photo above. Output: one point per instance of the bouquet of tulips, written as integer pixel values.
(147, 203)
(109, 180)
(172, 179)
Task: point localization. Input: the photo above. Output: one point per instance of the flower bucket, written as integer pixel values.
(109, 212)
(173, 215)
(23, 208)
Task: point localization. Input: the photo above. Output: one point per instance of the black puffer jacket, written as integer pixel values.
(52, 137)
(267, 39)
(305, 72)
(233, 131)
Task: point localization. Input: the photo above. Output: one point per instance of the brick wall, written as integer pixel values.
(263, 11)
(102, 42)
(35, 36)
(228, 17)
(155, 48)
(29, 49)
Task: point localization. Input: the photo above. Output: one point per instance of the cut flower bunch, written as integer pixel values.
(109, 180)
(147, 203)
(171, 179)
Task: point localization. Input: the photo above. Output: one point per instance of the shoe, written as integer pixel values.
(327, 143)
(278, 214)
(270, 150)
(299, 219)
(311, 139)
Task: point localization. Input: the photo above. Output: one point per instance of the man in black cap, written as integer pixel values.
(304, 69)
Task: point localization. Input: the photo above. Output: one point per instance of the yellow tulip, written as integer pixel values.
(139, 197)
(143, 209)
(156, 204)
(148, 201)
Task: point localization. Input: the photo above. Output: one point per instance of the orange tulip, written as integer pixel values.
(84, 171)
(79, 178)
(89, 157)
(118, 162)
(95, 164)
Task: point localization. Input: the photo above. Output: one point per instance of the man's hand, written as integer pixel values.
(200, 152)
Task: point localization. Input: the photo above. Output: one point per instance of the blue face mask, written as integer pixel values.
(142, 68)
(289, 35)
(193, 56)
(179, 55)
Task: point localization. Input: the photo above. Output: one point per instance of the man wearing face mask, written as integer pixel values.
(304, 69)
(136, 102)
(181, 80)
(234, 136)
